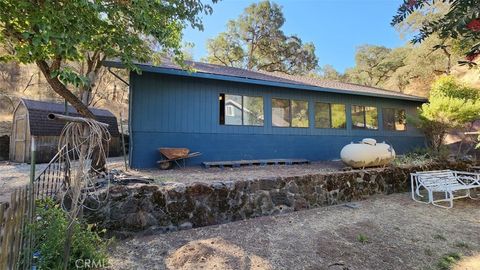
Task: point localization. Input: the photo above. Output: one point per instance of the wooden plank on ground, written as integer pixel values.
(261, 162)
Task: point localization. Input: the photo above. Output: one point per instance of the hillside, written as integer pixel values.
(25, 81)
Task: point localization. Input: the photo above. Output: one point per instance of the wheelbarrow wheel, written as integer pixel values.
(165, 165)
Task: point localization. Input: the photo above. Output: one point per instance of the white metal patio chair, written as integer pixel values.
(448, 182)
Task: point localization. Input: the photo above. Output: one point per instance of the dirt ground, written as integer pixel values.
(200, 174)
(13, 175)
(384, 232)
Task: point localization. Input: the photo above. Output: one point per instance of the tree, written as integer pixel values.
(374, 65)
(451, 105)
(255, 41)
(328, 72)
(52, 34)
(461, 23)
(421, 65)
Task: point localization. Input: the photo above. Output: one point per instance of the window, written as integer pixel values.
(229, 111)
(364, 117)
(299, 113)
(330, 115)
(289, 113)
(280, 112)
(253, 111)
(394, 119)
(241, 110)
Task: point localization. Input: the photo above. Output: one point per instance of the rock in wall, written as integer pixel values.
(143, 207)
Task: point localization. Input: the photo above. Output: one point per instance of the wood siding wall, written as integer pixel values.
(168, 110)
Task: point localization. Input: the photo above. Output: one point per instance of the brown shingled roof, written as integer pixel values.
(306, 82)
(40, 125)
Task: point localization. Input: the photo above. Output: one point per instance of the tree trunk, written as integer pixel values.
(60, 89)
(99, 163)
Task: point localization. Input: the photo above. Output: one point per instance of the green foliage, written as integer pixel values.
(255, 41)
(414, 21)
(374, 65)
(53, 33)
(461, 244)
(451, 87)
(417, 157)
(461, 23)
(43, 30)
(69, 76)
(328, 72)
(50, 229)
(362, 238)
(451, 105)
(413, 66)
(439, 237)
(448, 261)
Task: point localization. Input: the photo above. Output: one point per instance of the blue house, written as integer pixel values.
(229, 113)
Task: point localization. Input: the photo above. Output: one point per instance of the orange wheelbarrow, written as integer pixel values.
(176, 156)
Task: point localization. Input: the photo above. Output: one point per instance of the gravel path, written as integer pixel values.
(384, 232)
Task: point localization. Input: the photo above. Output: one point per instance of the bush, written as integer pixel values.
(451, 105)
(422, 156)
(50, 229)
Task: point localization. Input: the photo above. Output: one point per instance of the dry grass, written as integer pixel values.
(399, 234)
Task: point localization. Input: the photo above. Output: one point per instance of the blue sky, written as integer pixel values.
(336, 27)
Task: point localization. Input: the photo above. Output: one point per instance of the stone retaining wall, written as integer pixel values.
(142, 207)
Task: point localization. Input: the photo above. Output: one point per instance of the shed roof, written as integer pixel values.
(213, 71)
(40, 125)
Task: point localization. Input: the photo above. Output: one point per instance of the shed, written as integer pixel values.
(30, 119)
(230, 113)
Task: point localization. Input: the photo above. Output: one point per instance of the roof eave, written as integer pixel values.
(179, 72)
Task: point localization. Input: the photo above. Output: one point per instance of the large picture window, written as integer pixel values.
(289, 113)
(330, 115)
(394, 119)
(241, 110)
(364, 117)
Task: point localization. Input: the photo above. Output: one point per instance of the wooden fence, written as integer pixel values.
(16, 240)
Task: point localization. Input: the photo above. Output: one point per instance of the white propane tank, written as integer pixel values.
(367, 153)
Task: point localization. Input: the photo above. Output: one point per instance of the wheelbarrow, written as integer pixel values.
(177, 156)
